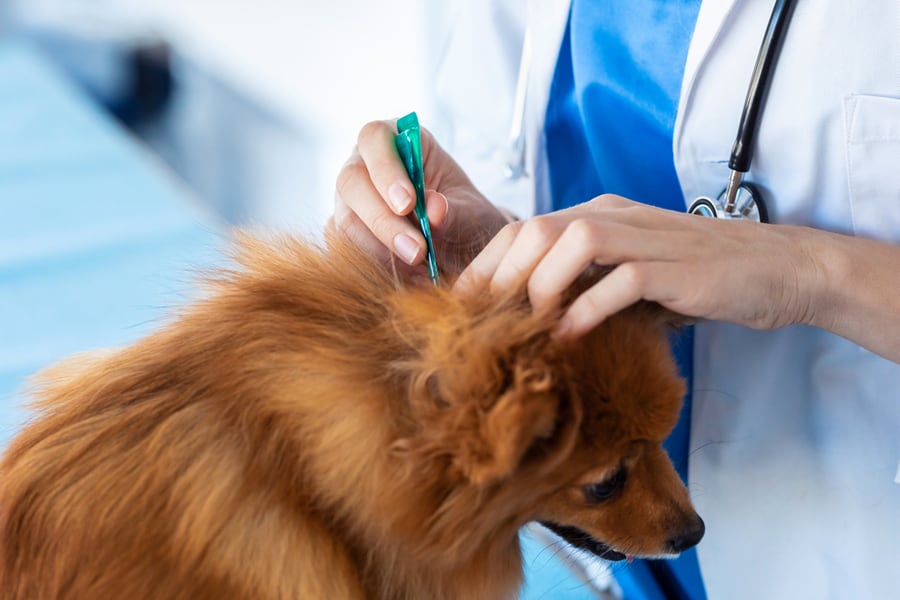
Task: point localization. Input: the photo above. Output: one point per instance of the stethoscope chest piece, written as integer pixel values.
(748, 205)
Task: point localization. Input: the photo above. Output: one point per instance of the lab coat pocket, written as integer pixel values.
(872, 128)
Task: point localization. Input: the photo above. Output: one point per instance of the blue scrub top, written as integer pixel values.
(609, 127)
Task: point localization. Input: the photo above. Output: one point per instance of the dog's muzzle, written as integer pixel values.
(582, 539)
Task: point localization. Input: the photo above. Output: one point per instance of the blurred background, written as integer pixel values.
(254, 104)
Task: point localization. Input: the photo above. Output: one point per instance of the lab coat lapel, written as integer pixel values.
(547, 23)
(710, 21)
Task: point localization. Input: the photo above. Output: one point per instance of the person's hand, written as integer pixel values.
(761, 276)
(374, 197)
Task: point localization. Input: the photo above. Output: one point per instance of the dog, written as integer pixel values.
(311, 428)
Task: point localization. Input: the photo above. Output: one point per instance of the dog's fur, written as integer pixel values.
(313, 429)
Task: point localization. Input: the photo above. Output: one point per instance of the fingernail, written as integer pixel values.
(406, 248)
(398, 197)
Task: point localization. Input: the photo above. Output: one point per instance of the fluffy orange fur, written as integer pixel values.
(313, 429)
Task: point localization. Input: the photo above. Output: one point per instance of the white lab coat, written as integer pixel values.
(795, 432)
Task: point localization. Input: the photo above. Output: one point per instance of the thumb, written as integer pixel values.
(437, 208)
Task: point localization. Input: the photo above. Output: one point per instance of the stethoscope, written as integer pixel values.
(740, 199)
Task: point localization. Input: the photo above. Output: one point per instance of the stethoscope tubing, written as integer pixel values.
(760, 82)
(740, 199)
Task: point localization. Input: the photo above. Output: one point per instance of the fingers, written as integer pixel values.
(622, 287)
(374, 199)
(345, 221)
(376, 146)
(672, 285)
(655, 251)
(600, 242)
(481, 270)
(551, 251)
(373, 192)
(362, 213)
(513, 254)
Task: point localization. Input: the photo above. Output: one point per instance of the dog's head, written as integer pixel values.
(446, 422)
(530, 428)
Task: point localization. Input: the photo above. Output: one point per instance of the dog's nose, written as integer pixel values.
(689, 537)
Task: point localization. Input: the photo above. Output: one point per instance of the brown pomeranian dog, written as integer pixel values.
(313, 429)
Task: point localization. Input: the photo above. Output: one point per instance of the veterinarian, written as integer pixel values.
(610, 119)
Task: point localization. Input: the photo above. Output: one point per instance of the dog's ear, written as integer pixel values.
(484, 420)
(485, 387)
(522, 417)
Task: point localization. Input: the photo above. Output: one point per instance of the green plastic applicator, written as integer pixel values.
(409, 145)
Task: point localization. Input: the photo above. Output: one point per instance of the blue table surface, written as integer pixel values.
(98, 242)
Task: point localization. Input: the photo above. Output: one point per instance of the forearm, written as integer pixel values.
(858, 291)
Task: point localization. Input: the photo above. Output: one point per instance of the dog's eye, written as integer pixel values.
(606, 489)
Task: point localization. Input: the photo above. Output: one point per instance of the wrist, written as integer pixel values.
(828, 266)
(856, 295)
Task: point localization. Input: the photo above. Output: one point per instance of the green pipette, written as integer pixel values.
(409, 145)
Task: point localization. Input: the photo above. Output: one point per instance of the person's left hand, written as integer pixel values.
(761, 276)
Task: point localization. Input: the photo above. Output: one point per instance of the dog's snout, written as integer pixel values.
(688, 537)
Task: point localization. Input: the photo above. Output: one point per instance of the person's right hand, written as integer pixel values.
(374, 197)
